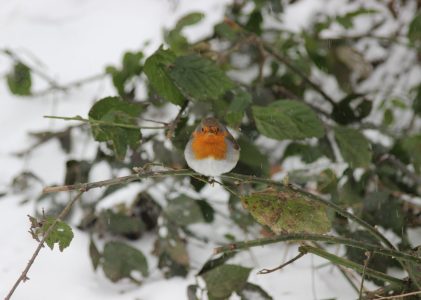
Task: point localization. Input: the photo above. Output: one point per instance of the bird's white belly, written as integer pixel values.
(211, 166)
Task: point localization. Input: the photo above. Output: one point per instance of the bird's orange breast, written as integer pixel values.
(206, 145)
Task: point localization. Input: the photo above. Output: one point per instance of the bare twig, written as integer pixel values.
(244, 245)
(51, 81)
(297, 71)
(366, 261)
(348, 276)
(66, 87)
(118, 180)
(400, 296)
(267, 271)
(99, 123)
(317, 237)
(352, 265)
(229, 176)
(23, 277)
(172, 126)
(45, 137)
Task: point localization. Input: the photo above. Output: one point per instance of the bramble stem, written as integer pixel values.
(247, 179)
(106, 123)
(230, 176)
(316, 198)
(352, 265)
(119, 180)
(23, 277)
(297, 71)
(298, 256)
(317, 237)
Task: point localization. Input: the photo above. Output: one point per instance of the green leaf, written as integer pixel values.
(251, 291)
(252, 160)
(216, 262)
(254, 23)
(176, 41)
(189, 19)
(145, 207)
(416, 105)
(414, 32)
(327, 182)
(239, 214)
(287, 211)
(199, 78)
(175, 38)
(121, 224)
(131, 67)
(381, 208)
(316, 51)
(184, 211)
(307, 153)
(416, 268)
(412, 147)
(346, 20)
(115, 110)
(223, 280)
(19, 80)
(157, 71)
(207, 210)
(287, 119)
(237, 108)
(388, 117)
(175, 247)
(172, 251)
(61, 234)
(354, 147)
(94, 254)
(350, 193)
(120, 260)
(344, 114)
(376, 262)
(227, 32)
(399, 103)
(77, 171)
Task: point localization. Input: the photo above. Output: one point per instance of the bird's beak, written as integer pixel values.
(212, 130)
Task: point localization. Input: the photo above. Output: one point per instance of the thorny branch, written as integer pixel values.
(397, 283)
(104, 123)
(24, 276)
(298, 256)
(84, 187)
(366, 261)
(317, 237)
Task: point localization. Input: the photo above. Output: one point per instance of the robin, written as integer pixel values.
(212, 150)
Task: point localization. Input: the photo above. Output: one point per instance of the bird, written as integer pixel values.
(211, 149)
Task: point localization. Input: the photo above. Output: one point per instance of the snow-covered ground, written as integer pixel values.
(75, 39)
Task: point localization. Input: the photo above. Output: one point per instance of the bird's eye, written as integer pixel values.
(203, 129)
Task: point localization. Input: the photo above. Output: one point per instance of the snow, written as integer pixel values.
(76, 39)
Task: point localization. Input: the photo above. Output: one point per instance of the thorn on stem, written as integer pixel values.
(267, 271)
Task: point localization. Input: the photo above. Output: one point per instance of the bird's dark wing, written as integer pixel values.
(230, 138)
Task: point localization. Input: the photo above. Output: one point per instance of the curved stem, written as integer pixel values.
(244, 178)
(230, 176)
(99, 122)
(352, 265)
(119, 180)
(327, 203)
(318, 237)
